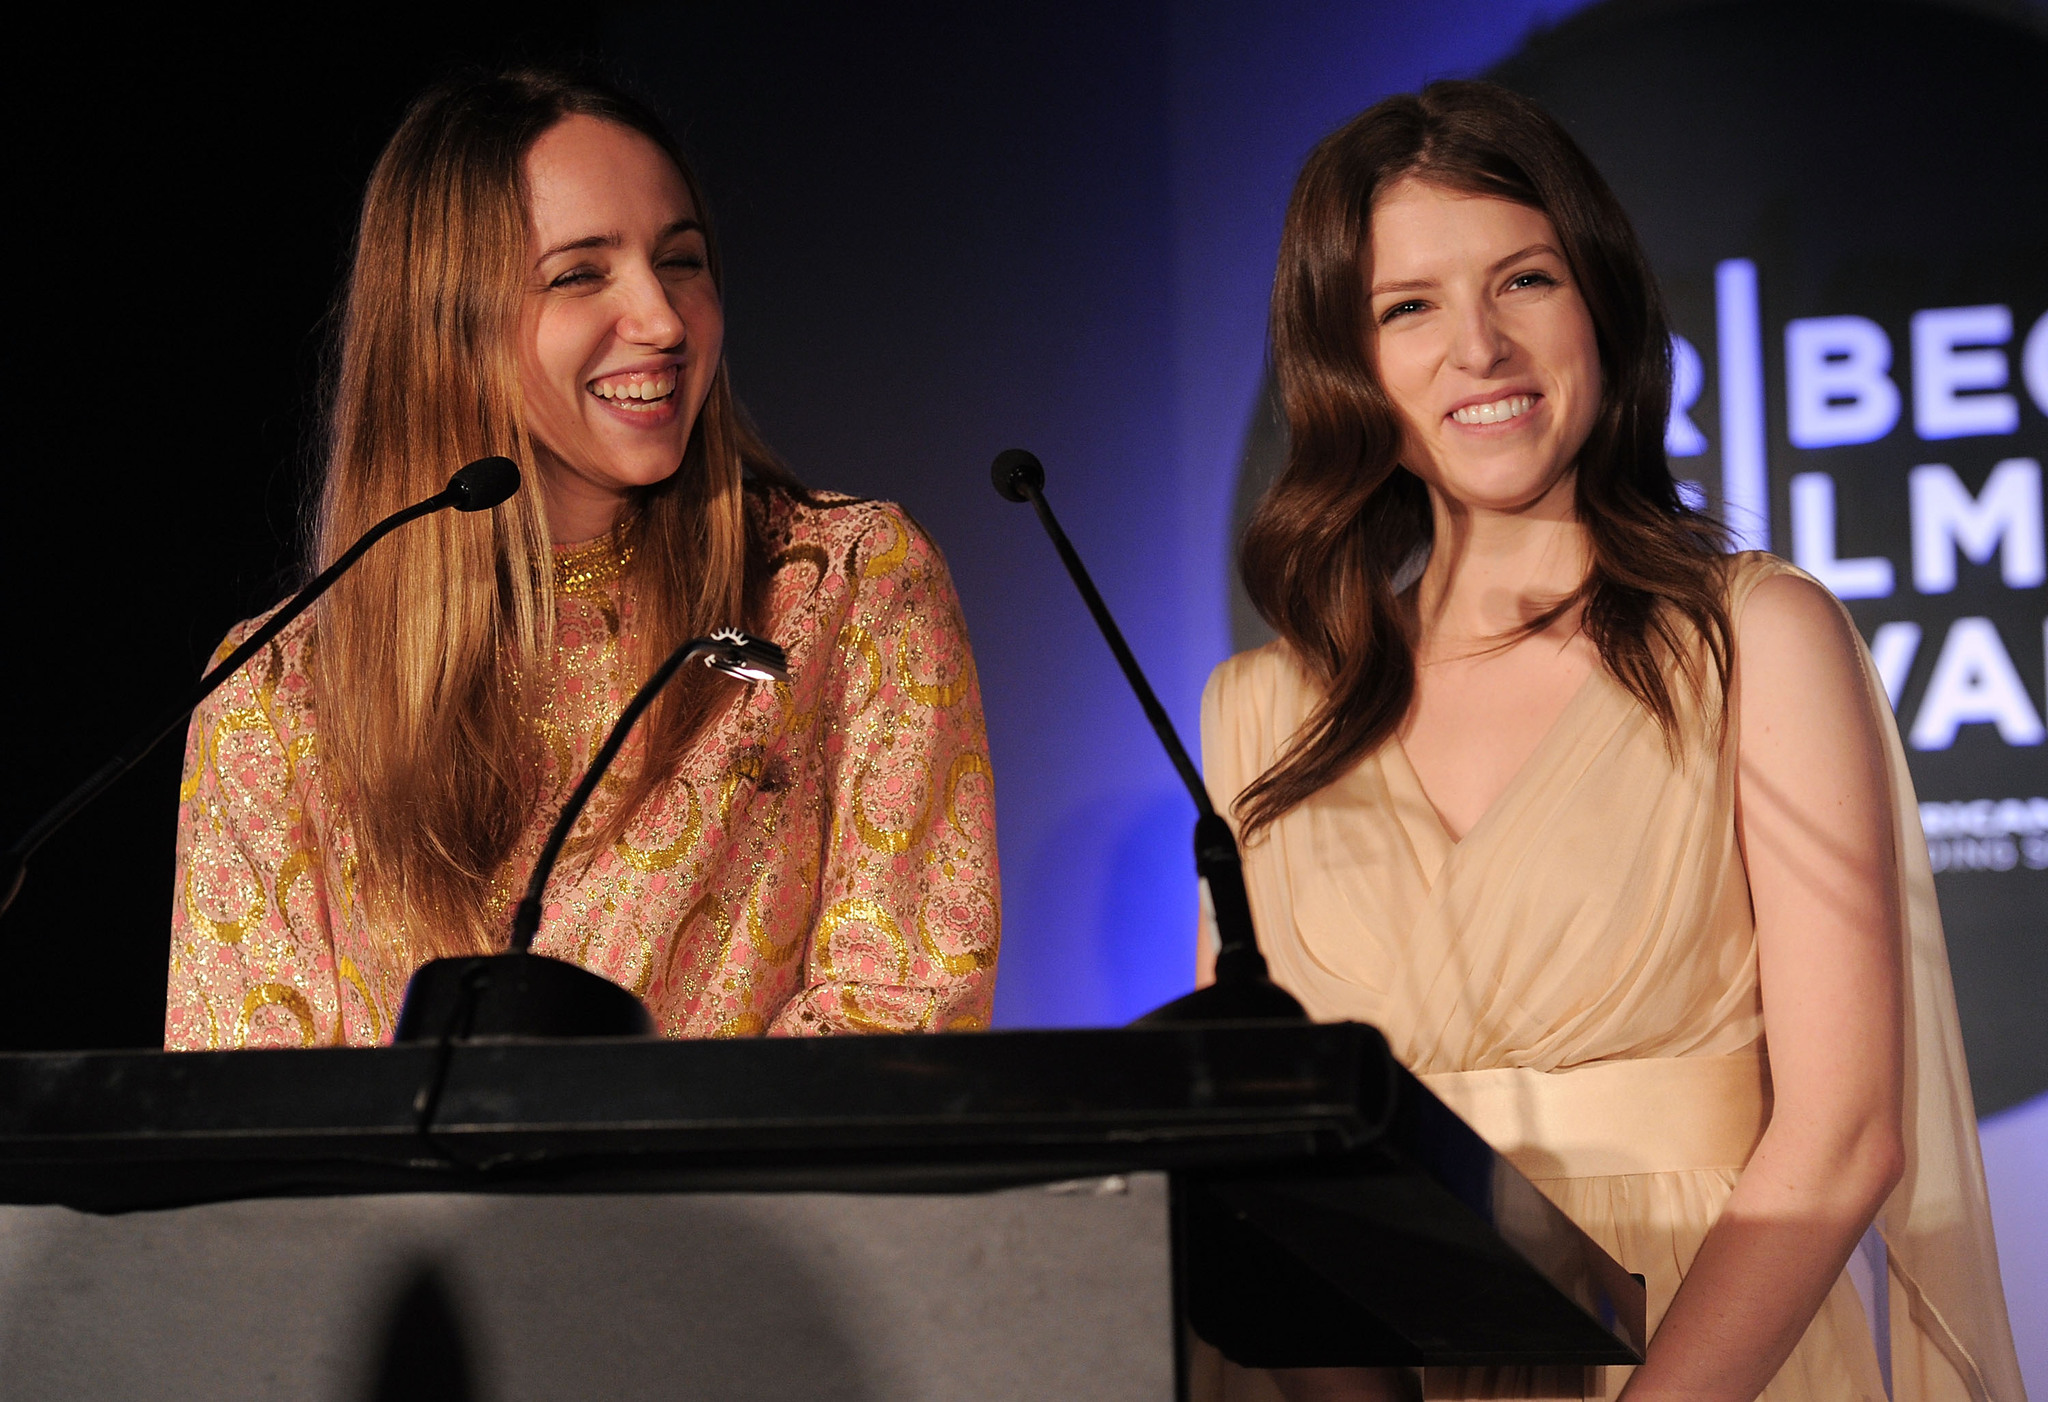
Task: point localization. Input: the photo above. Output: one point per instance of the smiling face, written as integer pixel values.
(1484, 345)
(621, 329)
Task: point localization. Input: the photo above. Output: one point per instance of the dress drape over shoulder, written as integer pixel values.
(823, 861)
(1577, 977)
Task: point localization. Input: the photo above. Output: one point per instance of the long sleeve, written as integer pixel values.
(252, 958)
(908, 888)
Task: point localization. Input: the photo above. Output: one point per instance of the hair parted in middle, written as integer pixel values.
(1324, 545)
(430, 659)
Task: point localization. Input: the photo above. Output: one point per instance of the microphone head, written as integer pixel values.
(482, 484)
(1018, 473)
(746, 658)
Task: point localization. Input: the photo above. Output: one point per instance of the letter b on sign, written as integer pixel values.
(1837, 389)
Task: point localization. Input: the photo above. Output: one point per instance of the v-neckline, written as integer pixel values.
(1416, 810)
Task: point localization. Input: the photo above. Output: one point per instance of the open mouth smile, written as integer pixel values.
(1499, 411)
(637, 391)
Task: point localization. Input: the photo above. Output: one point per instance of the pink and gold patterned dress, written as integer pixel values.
(824, 861)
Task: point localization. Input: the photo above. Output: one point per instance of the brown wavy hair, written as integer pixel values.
(430, 658)
(1322, 550)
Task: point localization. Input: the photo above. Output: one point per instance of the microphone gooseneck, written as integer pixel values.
(1243, 988)
(729, 651)
(475, 487)
(523, 994)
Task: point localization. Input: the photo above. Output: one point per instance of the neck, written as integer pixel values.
(578, 509)
(1490, 572)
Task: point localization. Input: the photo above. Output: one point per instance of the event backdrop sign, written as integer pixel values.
(1851, 231)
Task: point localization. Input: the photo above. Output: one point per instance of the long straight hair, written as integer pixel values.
(1322, 550)
(430, 659)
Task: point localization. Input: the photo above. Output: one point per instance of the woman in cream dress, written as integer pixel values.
(1609, 832)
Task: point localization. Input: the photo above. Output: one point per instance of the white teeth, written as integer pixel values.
(631, 393)
(1500, 411)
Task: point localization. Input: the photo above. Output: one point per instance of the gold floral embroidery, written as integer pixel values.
(963, 767)
(200, 759)
(855, 641)
(353, 977)
(297, 866)
(861, 910)
(795, 721)
(281, 996)
(662, 858)
(708, 907)
(811, 555)
(590, 570)
(943, 696)
(757, 935)
(226, 931)
(840, 905)
(891, 558)
(974, 959)
(894, 841)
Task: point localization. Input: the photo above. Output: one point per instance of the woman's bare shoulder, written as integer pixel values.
(1806, 696)
(1787, 621)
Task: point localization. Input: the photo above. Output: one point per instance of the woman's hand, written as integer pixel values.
(1814, 817)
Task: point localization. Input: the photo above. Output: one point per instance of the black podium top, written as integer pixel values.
(111, 1131)
(1309, 1136)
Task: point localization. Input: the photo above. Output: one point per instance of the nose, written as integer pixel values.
(1479, 344)
(648, 317)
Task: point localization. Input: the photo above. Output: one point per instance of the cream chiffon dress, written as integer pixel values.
(1577, 977)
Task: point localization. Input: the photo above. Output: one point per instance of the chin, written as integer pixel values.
(1508, 491)
(643, 470)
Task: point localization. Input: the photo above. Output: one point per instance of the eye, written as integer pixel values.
(683, 264)
(1535, 277)
(1400, 309)
(576, 277)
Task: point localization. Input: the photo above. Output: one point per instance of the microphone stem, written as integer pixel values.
(526, 918)
(1216, 857)
(282, 619)
(1162, 724)
(142, 742)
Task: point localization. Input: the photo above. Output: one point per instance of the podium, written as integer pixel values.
(1032, 1213)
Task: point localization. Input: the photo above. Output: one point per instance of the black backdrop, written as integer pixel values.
(946, 232)
(180, 201)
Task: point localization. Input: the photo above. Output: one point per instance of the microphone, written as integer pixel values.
(523, 994)
(1243, 989)
(478, 486)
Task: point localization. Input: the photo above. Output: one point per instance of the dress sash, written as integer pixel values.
(1662, 1114)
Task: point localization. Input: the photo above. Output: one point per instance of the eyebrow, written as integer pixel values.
(1380, 289)
(615, 240)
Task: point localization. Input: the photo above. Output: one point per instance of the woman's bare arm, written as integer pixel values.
(1814, 820)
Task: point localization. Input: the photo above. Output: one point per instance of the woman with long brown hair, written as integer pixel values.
(1609, 832)
(535, 276)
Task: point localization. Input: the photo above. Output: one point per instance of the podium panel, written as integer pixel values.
(1022, 1293)
(1326, 1209)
